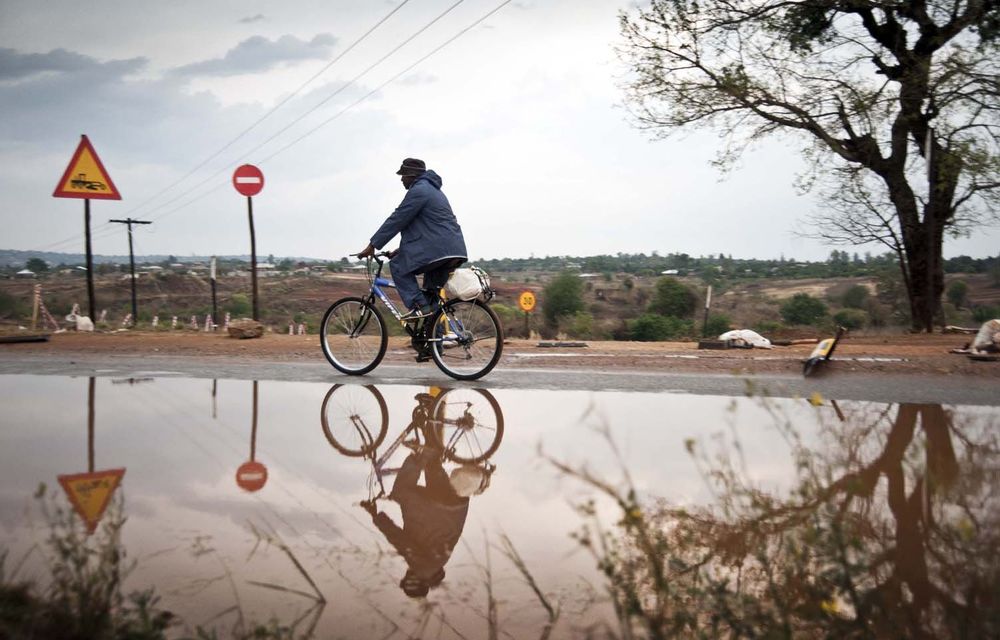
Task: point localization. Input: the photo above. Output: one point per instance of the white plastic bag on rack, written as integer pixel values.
(471, 283)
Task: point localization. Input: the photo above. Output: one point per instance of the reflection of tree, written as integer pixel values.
(889, 531)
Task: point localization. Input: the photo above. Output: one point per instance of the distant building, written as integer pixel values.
(25, 273)
(670, 272)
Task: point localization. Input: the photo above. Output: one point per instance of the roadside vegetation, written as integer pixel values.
(888, 530)
(624, 297)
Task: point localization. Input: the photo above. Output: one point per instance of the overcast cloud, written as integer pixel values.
(258, 54)
(520, 115)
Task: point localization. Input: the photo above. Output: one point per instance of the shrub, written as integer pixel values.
(238, 305)
(765, 327)
(855, 297)
(984, 313)
(651, 327)
(580, 325)
(717, 324)
(802, 308)
(511, 319)
(673, 298)
(957, 293)
(12, 307)
(851, 318)
(562, 297)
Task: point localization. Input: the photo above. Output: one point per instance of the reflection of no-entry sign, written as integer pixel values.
(248, 180)
(251, 476)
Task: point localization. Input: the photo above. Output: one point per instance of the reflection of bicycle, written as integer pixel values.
(466, 425)
(464, 337)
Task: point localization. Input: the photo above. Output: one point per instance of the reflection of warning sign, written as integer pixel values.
(85, 177)
(90, 493)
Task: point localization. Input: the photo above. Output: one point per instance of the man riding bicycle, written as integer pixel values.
(431, 241)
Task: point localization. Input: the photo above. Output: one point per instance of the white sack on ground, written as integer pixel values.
(740, 337)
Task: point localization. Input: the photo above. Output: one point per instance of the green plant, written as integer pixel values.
(580, 325)
(855, 297)
(238, 305)
(851, 318)
(803, 309)
(562, 297)
(13, 308)
(673, 298)
(957, 293)
(985, 313)
(766, 327)
(718, 323)
(651, 327)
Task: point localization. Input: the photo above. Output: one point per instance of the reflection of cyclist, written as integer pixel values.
(433, 519)
(431, 241)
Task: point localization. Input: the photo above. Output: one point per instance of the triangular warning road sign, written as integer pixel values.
(90, 493)
(86, 177)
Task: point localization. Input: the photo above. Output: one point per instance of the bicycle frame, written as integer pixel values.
(377, 283)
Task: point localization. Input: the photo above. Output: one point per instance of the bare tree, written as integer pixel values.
(896, 102)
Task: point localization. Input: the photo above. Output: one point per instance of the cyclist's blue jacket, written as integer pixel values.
(428, 229)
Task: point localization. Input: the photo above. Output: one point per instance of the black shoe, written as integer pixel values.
(423, 355)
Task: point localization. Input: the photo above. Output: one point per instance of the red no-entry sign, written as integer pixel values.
(248, 180)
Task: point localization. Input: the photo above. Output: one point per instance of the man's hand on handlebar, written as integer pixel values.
(391, 254)
(367, 252)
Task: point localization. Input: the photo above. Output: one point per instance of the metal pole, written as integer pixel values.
(131, 261)
(253, 432)
(215, 308)
(131, 268)
(708, 304)
(90, 425)
(253, 258)
(90, 261)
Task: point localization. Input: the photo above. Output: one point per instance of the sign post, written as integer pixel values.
(85, 177)
(249, 180)
(708, 305)
(252, 475)
(90, 492)
(527, 302)
(215, 308)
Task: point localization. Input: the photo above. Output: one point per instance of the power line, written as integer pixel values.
(280, 104)
(387, 82)
(340, 90)
(332, 118)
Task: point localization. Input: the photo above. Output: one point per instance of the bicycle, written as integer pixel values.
(465, 338)
(466, 425)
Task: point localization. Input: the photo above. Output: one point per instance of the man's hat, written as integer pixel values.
(411, 167)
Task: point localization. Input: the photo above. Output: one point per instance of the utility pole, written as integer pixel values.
(131, 262)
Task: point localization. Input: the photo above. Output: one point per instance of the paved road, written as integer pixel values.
(966, 390)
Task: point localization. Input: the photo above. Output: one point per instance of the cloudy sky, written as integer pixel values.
(520, 115)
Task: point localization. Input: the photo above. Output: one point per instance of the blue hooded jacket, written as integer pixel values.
(428, 229)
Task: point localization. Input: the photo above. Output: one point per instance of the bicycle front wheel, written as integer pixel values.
(466, 339)
(355, 419)
(470, 424)
(353, 336)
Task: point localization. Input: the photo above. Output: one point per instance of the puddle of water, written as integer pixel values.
(246, 500)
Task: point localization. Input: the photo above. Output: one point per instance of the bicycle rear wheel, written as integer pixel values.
(466, 339)
(353, 336)
(469, 423)
(355, 419)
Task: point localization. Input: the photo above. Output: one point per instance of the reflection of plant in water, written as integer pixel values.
(84, 597)
(890, 530)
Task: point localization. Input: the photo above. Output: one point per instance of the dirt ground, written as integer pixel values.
(911, 354)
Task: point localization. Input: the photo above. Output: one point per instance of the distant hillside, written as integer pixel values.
(14, 258)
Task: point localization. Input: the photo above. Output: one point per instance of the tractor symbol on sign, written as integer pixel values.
(81, 182)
